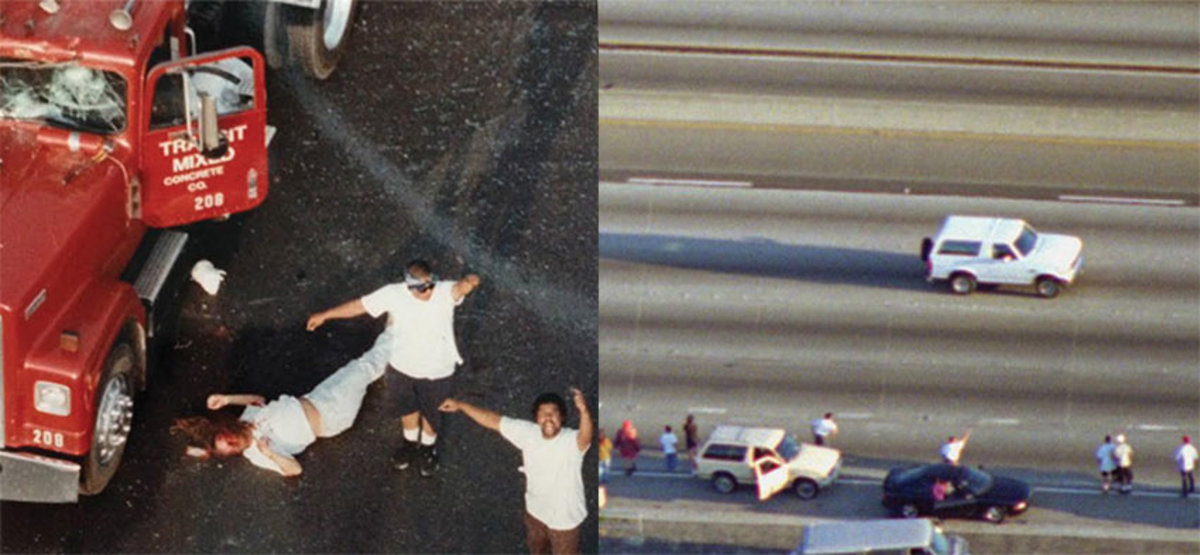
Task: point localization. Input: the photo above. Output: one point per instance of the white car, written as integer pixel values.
(971, 250)
(769, 458)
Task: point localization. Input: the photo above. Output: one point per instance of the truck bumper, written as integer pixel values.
(26, 477)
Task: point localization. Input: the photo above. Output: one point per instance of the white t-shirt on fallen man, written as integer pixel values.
(552, 467)
(424, 345)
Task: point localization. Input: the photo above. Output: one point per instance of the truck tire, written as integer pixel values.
(805, 489)
(962, 283)
(114, 414)
(724, 482)
(317, 39)
(1048, 287)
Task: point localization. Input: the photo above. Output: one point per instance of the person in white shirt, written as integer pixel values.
(824, 429)
(270, 435)
(552, 455)
(668, 441)
(1108, 465)
(1185, 459)
(953, 448)
(1123, 455)
(424, 353)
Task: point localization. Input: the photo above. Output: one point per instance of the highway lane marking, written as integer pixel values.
(1121, 200)
(879, 483)
(854, 415)
(695, 182)
(893, 133)
(1156, 427)
(1000, 421)
(707, 410)
(630, 47)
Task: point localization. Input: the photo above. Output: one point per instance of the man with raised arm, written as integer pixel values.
(424, 354)
(553, 457)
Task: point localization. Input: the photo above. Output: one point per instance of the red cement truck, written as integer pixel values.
(113, 129)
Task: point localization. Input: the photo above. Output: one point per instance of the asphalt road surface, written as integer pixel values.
(657, 512)
(772, 307)
(463, 133)
(1027, 101)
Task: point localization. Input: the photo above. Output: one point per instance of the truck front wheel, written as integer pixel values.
(114, 415)
(317, 39)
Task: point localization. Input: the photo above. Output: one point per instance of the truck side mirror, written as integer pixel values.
(213, 143)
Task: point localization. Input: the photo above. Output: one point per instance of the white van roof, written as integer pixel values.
(863, 536)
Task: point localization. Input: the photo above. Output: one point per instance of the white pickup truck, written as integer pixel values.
(970, 251)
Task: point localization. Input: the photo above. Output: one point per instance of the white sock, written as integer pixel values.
(411, 434)
(428, 438)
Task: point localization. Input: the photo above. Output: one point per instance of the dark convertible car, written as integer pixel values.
(946, 490)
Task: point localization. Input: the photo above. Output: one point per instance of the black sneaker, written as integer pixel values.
(403, 456)
(427, 459)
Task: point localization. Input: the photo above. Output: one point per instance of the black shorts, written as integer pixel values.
(419, 395)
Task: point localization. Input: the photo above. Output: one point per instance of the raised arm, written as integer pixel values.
(584, 438)
(483, 417)
(348, 309)
(464, 286)
(217, 401)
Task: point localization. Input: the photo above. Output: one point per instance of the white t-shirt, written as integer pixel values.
(552, 467)
(1104, 455)
(424, 346)
(824, 427)
(668, 441)
(952, 450)
(283, 424)
(1185, 457)
(1123, 452)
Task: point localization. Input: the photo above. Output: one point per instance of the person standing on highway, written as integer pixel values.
(824, 429)
(1123, 455)
(552, 458)
(605, 457)
(668, 440)
(424, 354)
(953, 448)
(628, 445)
(1104, 456)
(691, 440)
(1185, 459)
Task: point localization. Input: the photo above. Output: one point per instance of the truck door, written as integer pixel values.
(771, 474)
(181, 181)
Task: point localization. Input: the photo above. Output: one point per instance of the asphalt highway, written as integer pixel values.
(772, 307)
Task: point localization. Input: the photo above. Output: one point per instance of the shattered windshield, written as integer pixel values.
(65, 95)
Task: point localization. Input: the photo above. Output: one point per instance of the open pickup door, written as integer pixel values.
(771, 474)
(183, 180)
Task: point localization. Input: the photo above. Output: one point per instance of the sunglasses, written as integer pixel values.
(420, 287)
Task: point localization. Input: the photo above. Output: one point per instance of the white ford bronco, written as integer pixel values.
(970, 251)
(769, 458)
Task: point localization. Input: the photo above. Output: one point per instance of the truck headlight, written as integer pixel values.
(52, 398)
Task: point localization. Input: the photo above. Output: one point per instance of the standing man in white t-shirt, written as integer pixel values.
(824, 429)
(668, 440)
(424, 354)
(1185, 459)
(552, 459)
